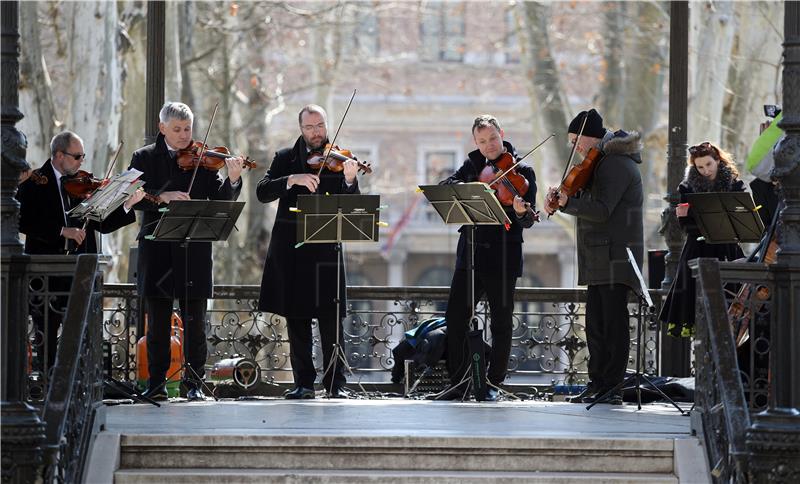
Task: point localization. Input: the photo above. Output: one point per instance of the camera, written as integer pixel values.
(771, 110)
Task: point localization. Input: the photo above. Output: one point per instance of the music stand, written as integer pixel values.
(643, 298)
(188, 221)
(333, 219)
(469, 204)
(726, 217)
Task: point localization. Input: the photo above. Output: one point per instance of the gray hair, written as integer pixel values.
(61, 142)
(484, 121)
(312, 108)
(175, 110)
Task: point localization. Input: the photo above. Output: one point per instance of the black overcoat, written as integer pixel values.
(498, 251)
(298, 282)
(42, 216)
(162, 269)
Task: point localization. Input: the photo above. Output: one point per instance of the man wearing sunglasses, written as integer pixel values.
(48, 229)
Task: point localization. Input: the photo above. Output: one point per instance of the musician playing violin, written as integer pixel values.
(43, 219)
(164, 270)
(498, 260)
(299, 283)
(609, 219)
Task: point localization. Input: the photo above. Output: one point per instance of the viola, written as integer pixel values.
(576, 179)
(82, 185)
(507, 182)
(212, 159)
(333, 158)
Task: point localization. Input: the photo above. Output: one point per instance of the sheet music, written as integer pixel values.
(108, 198)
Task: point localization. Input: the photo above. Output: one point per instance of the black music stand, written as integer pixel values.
(645, 303)
(187, 221)
(726, 217)
(333, 219)
(469, 204)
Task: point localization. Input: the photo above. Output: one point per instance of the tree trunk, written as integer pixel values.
(613, 93)
(713, 25)
(94, 79)
(40, 123)
(186, 25)
(133, 64)
(753, 74)
(547, 99)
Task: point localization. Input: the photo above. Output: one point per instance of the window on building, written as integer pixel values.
(443, 31)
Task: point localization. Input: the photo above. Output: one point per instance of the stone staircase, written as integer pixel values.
(220, 459)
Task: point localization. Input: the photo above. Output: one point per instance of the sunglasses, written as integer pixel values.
(703, 149)
(76, 157)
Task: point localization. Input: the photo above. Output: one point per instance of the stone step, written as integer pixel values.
(328, 476)
(398, 453)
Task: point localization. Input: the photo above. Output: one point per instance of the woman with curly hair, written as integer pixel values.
(710, 169)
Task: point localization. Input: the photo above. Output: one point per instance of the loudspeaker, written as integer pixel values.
(655, 267)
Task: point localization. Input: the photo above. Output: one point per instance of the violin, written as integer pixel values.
(212, 159)
(333, 158)
(507, 182)
(576, 179)
(82, 184)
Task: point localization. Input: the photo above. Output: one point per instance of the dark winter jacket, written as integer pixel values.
(298, 282)
(165, 269)
(498, 251)
(609, 213)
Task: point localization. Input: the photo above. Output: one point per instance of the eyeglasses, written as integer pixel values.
(77, 157)
(703, 149)
(313, 127)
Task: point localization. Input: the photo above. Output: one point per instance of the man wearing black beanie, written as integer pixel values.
(609, 215)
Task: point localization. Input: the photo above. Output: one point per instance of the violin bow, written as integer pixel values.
(572, 152)
(202, 149)
(108, 173)
(336, 135)
(114, 161)
(521, 158)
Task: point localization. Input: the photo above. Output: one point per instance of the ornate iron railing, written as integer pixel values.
(731, 297)
(549, 343)
(75, 390)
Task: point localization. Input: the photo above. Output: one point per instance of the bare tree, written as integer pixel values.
(36, 89)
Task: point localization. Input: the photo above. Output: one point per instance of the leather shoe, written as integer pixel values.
(195, 394)
(492, 394)
(299, 393)
(614, 398)
(157, 394)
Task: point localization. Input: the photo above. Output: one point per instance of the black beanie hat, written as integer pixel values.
(594, 124)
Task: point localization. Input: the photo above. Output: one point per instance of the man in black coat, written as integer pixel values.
(609, 213)
(169, 270)
(299, 283)
(498, 261)
(49, 230)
